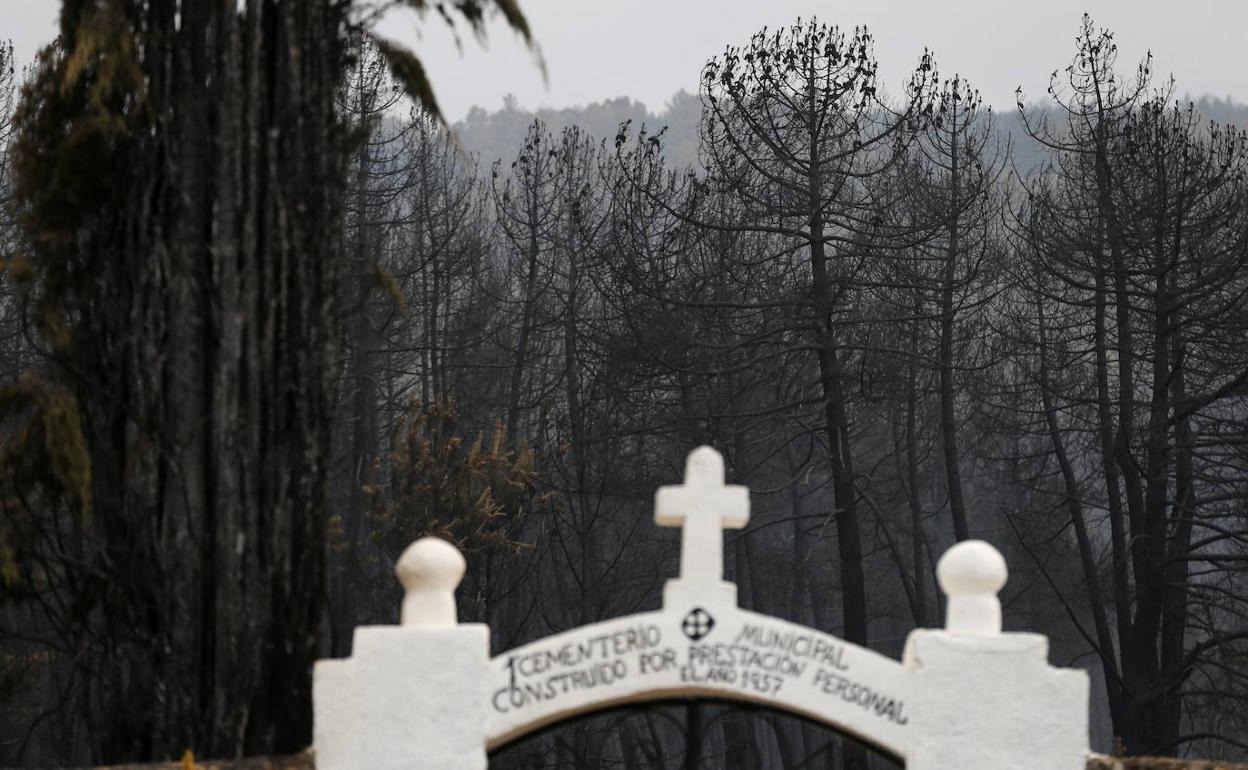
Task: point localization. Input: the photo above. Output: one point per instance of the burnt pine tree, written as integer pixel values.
(923, 330)
(1138, 242)
(526, 202)
(794, 128)
(962, 162)
(367, 99)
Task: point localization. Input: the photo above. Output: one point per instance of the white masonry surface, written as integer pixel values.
(425, 695)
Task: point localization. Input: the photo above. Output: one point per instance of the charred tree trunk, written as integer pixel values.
(199, 333)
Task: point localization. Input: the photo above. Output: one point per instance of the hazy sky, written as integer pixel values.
(649, 49)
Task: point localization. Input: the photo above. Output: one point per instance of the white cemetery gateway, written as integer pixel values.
(426, 695)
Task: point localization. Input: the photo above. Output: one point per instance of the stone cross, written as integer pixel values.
(703, 507)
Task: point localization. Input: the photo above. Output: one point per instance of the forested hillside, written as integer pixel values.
(904, 322)
(493, 135)
(499, 134)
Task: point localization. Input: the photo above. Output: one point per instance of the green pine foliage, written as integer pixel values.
(473, 491)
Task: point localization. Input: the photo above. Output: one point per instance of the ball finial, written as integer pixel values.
(430, 570)
(971, 574)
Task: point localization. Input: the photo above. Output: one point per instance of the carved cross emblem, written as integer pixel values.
(697, 624)
(703, 507)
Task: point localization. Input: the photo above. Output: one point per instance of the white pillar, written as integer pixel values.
(984, 700)
(411, 696)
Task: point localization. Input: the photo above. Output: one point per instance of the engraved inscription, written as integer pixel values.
(757, 658)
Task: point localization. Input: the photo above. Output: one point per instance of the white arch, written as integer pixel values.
(694, 652)
(426, 695)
